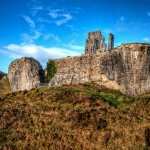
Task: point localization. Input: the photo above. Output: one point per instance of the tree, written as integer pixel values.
(51, 69)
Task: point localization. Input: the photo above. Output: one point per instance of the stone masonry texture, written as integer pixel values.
(125, 68)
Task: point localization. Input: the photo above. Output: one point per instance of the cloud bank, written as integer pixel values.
(39, 52)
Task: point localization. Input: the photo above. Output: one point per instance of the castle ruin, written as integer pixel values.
(125, 68)
(96, 43)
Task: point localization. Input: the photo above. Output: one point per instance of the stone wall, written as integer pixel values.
(126, 68)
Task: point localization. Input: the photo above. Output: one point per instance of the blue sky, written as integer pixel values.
(57, 28)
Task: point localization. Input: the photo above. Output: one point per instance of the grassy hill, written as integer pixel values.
(83, 117)
(4, 86)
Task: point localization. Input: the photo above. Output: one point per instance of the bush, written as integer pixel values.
(51, 69)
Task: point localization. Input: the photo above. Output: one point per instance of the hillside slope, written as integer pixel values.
(82, 117)
(4, 86)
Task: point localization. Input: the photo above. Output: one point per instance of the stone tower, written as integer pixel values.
(111, 41)
(94, 43)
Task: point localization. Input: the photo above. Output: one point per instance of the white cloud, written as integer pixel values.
(35, 35)
(51, 36)
(59, 16)
(148, 13)
(29, 21)
(53, 14)
(36, 9)
(65, 19)
(39, 52)
(30, 38)
(146, 39)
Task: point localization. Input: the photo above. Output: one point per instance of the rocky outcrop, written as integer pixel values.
(25, 74)
(126, 68)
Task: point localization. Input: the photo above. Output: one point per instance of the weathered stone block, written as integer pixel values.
(25, 74)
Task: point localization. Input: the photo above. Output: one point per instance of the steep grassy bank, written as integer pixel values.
(73, 117)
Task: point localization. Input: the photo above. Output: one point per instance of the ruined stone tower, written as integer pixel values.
(94, 43)
(111, 41)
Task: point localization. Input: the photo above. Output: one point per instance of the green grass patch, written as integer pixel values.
(114, 98)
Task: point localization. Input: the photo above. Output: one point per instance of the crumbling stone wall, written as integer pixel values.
(126, 68)
(94, 43)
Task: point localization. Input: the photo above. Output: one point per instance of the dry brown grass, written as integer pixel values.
(73, 117)
(4, 86)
